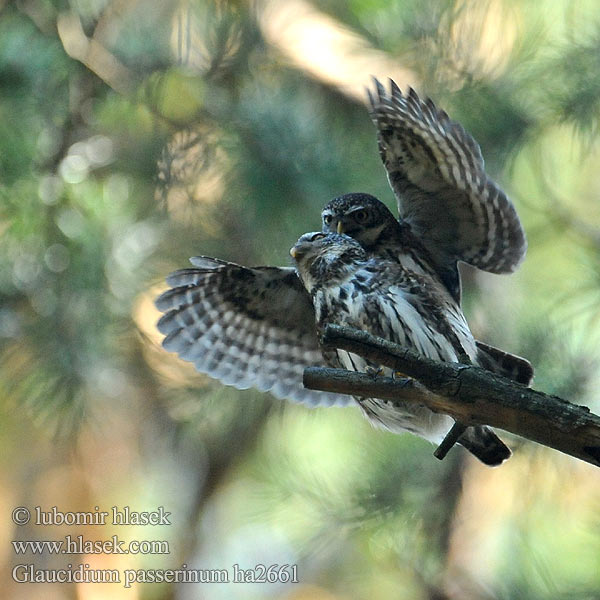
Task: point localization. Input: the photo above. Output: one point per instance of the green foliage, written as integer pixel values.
(193, 134)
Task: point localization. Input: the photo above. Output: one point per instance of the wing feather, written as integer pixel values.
(437, 172)
(246, 327)
(504, 363)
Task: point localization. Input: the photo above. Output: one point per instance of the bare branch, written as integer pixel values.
(93, 54)
(469, 394)
(451, 438)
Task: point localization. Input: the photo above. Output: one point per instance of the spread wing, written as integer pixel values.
(246, 327)
(437, 173)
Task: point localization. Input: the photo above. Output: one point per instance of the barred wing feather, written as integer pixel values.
(437, 173)
(246, 327)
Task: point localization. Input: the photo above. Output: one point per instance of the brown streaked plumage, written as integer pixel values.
(366, 219)
(382, 236)
(413, 310)
(256, 327)
(246, 327)
(444, 194)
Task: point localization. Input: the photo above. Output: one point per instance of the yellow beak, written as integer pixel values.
(293, 251)
(340, 227)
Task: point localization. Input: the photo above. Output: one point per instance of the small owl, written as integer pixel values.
(411, 309)
(370, 222)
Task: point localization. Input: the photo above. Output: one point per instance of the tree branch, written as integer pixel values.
(469, 394)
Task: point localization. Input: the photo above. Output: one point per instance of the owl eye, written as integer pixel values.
(327, 219)
(360, 216)
(317, 236)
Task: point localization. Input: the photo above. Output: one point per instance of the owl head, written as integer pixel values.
(360, 216)
(325, 258)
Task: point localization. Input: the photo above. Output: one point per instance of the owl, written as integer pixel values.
(258, 326)
(384, 298)
(450, 211)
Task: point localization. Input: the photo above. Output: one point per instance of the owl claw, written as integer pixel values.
(374, 372)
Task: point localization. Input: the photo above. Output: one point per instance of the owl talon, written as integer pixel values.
(402, 379)
(374, 372)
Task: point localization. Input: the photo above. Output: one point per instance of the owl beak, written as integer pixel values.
(340, 227)
(299, 249)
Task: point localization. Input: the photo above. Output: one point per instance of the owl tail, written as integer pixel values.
(485, 445)
(508, 365)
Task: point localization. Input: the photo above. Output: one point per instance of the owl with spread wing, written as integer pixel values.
(256, 327)
(384, 298)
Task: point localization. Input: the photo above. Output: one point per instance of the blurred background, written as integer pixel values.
(134, 134)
